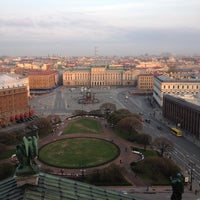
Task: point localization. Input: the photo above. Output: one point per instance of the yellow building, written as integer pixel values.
(13, 99)
(99, 76)
(34, 66)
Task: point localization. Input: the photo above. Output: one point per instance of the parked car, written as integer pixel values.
(147, 120)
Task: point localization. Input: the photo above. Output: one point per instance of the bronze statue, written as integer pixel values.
(26, 153)
(177, 184)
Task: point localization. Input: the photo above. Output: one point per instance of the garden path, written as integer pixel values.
(123, 160)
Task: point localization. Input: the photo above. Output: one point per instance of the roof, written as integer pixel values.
(164, 78)
(52, 187)
(40, 72)
(8, 80)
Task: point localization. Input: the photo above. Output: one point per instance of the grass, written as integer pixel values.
(7, 154)
(78, 152)
(85, 126)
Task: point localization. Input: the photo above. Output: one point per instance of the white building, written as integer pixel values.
(175, 86)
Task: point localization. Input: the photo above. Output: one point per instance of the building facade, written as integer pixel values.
(14, 101)
(42, 79)
(99, 76)
(175, 86)
(145, 82)
(182, 113)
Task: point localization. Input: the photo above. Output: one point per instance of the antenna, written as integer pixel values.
(96, 51)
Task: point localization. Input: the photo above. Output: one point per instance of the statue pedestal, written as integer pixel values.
(31, 180)
(27, 170)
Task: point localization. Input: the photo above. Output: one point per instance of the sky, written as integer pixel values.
(112, 27)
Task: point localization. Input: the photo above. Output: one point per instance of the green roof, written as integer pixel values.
(52, 187)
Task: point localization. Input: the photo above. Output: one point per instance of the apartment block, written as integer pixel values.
(14, 100)
(39, 79)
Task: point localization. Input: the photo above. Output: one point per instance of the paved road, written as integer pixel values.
(185, 154)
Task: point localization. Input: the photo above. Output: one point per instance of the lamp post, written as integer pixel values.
(191, 165)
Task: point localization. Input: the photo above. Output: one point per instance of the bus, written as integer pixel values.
(176, 132)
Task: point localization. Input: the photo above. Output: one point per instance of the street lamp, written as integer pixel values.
(191, 164)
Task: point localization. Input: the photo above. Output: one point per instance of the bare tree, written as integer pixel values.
(144, 139)
(107, 108)
(162, 145)
(130, 124)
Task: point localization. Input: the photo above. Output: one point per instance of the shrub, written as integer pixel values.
(156, 170)
(108, 176)
(6, 170)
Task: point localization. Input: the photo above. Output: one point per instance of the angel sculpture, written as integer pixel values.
(26, 153)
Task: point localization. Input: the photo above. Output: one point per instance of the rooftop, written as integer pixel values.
(164, 78)
(52, 187)
(40, 72)
(9, 81)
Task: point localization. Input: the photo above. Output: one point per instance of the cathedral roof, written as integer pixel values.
(51, 187)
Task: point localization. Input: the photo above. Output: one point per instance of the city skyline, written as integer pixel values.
(114, 27)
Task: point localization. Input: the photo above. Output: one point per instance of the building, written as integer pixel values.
(42, 80)
(174, 85)
(14, 101)
(145, 82)
(51, 187)
(183, 112)
(34, 66)
(99, 76)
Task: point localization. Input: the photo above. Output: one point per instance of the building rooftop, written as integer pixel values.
(40, 72)
(164, 78)
(9, 81)
(50, 187)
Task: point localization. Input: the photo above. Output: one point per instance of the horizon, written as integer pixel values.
(103, 28)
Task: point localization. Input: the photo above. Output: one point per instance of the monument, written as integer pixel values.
(26, 153)
(177, 184)
(87, 97)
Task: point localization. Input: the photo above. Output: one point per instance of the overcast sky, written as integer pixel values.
(116, 27)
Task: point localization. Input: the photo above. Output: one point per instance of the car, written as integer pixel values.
(147, 120)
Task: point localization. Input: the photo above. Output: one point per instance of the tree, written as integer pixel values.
(117, 115)
(130, 124)
(107, 108)
(144, 139)
(162, 145)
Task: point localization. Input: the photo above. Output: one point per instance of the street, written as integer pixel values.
(186, 154)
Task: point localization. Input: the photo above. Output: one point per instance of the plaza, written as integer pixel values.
(64, 101)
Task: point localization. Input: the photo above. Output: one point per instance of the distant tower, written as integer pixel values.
(95, 51)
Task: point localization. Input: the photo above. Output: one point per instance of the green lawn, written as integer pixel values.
(78, 152)
(83, 126)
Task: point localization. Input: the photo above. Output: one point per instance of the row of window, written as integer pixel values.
(97, 76)
(181, 86)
